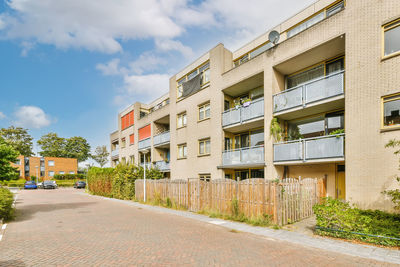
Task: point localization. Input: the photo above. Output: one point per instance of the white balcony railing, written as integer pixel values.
(162, 165)
(323, 147)
(145, 143)
(247, 155)
(161, 138)
(115, 153)
(254, 109)
(313, 91)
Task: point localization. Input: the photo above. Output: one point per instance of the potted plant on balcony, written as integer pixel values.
(276, 130)
(337, 132)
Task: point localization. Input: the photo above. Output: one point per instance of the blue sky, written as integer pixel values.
(69, 66)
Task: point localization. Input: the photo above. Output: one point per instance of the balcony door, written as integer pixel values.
(340, 182)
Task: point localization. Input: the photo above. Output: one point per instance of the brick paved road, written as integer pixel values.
(64, 228)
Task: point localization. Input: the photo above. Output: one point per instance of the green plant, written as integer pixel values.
(276, 130)
(337, 132)
(394, 194)
(6, 201)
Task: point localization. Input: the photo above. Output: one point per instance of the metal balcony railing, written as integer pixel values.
(310, 92)
(247, 155)
(162, 165)
(145, 143)
(161, 138)
(323, 147)
(254, 109)
(114, 153)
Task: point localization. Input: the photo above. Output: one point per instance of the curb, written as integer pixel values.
(338, 246)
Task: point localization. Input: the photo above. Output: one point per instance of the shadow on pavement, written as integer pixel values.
(16, 263)
(25, 212)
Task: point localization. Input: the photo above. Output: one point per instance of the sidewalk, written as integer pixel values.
(363, 251)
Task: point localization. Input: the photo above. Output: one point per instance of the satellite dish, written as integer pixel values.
(274, 37)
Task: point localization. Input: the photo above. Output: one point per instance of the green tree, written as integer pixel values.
(101, 155)
(77, 147)
(395, 193)
(19, 139)
(52, 145)
(7, 155)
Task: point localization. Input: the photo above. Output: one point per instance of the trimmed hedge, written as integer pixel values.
(338, 219)
(78, 176)
(14, 183)
(118, 182)
(6, 200)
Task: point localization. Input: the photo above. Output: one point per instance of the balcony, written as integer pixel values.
(162, 166)
(243, 157)
(329, 148)
(161, 139)
(115, 153)
(244, 117)
(307, 99)
(145, 143)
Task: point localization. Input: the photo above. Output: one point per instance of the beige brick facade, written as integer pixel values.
(357, 169)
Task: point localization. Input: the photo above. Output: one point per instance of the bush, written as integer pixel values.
(338, 219)
(62, 183)
(16, 183)
(100, 180)
(6, 201)
(78, 176)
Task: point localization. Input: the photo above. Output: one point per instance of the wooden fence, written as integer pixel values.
(287, 201)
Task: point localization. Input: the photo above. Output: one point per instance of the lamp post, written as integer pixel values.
(37, 173)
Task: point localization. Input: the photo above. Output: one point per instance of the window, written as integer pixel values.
(306, 24)
(71, 172)
(204, 147)
(127, 120)
(227, 105)
(203, 70)
(51, 163)
(205, 177)
(123, 142)
(132, 159)
(391, 38)
(61, 172)
(228, 144)
(18, 162)
(181, 120)
(391, 110)
(204, 111)
(131, 139)
(182, 151)
(335, 9)
(257, 173)
(51, 173)
(252, 54)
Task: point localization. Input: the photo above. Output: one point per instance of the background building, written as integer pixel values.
(322, 101)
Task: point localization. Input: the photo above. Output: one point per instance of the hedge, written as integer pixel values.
(6, 201)
(118, 182)
(339, 219)
(14, 183)
(69, 176)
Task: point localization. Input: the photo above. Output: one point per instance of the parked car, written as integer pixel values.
(49, 184)
(30, 185)
(80, 184)
(40, 185)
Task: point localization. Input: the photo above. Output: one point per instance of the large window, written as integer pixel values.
(51, 173)
(204, 147)
(204, 111)
(181, 120)
(50, 163)
(391, 38)
(182, 151)
(203, 70)
(391, 110)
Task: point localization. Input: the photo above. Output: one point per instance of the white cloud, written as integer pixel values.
(166, 45)
(110, 68)
(2, 115)
(31, 117)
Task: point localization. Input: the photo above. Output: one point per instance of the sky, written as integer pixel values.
(69, 66)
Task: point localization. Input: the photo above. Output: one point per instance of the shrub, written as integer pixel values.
(68, 183)
(338, 219)
(16, 183)
(100, 180)
(6, 201)
(69, 176)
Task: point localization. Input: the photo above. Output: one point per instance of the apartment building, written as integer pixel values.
(44, 167)
(318, 97)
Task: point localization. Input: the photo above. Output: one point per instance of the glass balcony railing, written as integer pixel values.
(313, 91)
(247, 155)
(145, 143)
(323, 147)
(252, 110)
(162, 165)
(161, 138)
(114, 153)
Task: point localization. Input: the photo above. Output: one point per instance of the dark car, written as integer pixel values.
(49, 185)
(30, 185)
(80, 184)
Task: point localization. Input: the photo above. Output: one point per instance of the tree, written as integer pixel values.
(54, 146)
(77, 147)
(101, 155)
(395, 193)
(19, 139)
(7, 155)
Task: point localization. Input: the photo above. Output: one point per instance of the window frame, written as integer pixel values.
(204, 105)
(393, 97)
(178, 117)
(48, 163)
(184, 78)
(396, 23)
(183, 145)
(204, 142)
(49, 173)
(206, 177)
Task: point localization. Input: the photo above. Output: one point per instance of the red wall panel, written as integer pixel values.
(127, 120)
(145, 132)
(132, 139)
